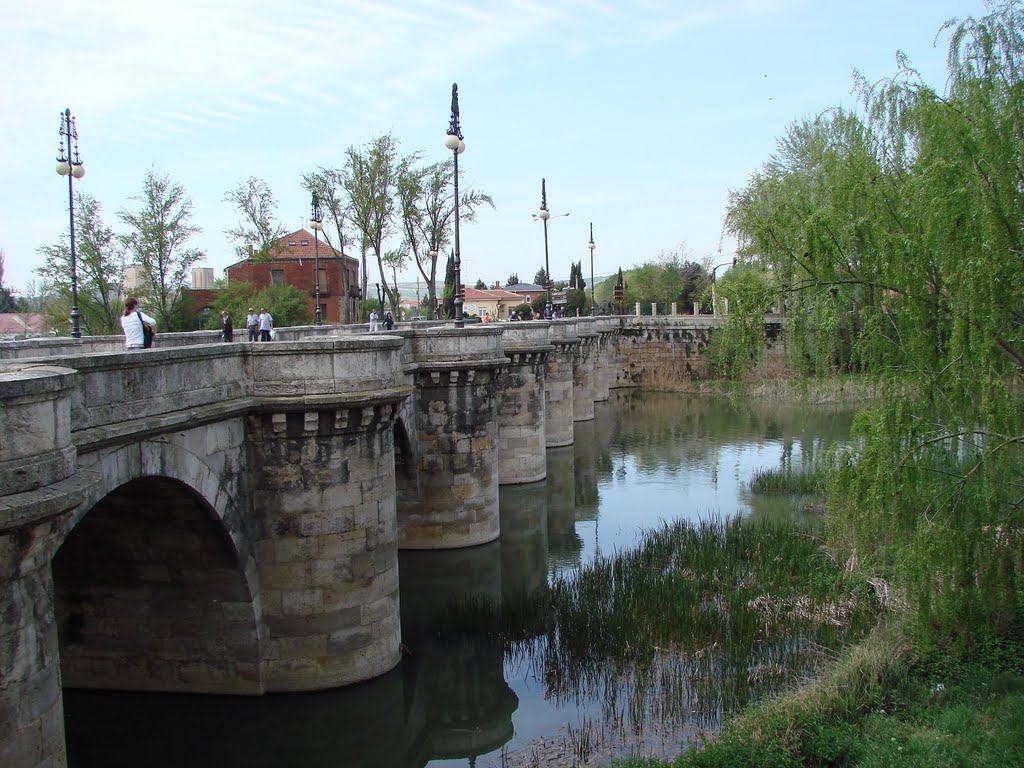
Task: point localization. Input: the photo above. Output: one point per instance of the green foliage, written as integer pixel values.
(100, 261)
(156, 240)
(577, 302)
(739, 344)
(895, 236)
(523, 311)
(541, 278)
(448, 292)
(254, 200)
(513, 279)
(287, 304)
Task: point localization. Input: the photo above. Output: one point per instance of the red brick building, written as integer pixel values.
(294, 265)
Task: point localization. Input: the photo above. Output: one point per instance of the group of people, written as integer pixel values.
(389, 321)
(259, 326)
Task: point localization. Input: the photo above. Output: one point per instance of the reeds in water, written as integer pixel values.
(697, 621)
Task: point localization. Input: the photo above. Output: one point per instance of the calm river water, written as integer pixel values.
(644, 459)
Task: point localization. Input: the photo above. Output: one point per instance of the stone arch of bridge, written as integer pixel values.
(150, 594)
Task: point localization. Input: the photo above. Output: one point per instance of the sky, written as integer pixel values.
(642, 115)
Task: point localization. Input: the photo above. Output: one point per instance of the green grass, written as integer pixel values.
(777, 481)
(881, 705)
(692, 625)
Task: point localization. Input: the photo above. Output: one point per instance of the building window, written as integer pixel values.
(323, 312)
(324, 287)
(305, 242)
(291, 242)
(277, 277)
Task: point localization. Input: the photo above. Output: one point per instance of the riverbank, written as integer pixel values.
(785, 387)
(883, 703)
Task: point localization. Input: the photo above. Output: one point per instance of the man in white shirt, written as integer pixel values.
(266, 324)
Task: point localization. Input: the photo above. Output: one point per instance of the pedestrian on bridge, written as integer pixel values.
(135, 323)
(227, 326)
(266, 323)
(252, 323)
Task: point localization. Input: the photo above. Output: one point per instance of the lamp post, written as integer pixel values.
(591, 246)
(71, 166)
(544, 215)
(453, 141)
(714, 305)
(316, 221)
(432, 311)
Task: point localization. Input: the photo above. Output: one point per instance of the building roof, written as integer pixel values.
(492, 294)
(21, 323)
(525, 288)
(300, 245)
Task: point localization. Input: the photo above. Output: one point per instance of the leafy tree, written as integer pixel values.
(576, 276)
(577, 302)
(448, 292)
(480, 285)
(523, 311)
(394, 260)
(426, 201)
(513, 279)
(750, 294)
(99, 263)
(288, 305)
(541, 278)
(158, 231)
(327, 185)
(369, 179)
(255, 202)
(895, 236)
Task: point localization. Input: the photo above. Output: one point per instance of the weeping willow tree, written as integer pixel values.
(894, 235)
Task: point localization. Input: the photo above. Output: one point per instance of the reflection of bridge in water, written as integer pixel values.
(227, 518)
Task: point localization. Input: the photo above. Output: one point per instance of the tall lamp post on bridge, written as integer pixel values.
(714, 304)
(453, 141)
(591, 246)
(70, 165)
(544, 216)
(316, 221)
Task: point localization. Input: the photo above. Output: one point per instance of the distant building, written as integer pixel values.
(133, 279)
(202, 278)
(21, 325)
(293, 264)
(528, 291)
(498, 302)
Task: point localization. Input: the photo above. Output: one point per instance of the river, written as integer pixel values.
(462, 701)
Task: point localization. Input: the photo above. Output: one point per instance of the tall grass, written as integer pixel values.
(693, 624)
(777, 481)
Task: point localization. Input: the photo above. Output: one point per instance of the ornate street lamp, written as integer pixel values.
(453, 141)
(591, 246)
(70, 165)
(544, 215)
(714, 305)
(316, 221)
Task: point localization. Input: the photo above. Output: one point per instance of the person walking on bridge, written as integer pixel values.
(227, 326)
(266, 323)
(134, 322)
(252, 323)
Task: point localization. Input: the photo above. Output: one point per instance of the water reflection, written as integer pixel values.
(643, 459)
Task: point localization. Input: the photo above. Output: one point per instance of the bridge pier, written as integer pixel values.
(604, 357)
(521, 413)
(583, 370)
(558, 383)
(456, 374)
(37, 466)
(324, 489)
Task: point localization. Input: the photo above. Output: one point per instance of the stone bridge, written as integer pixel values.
(226, 518)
